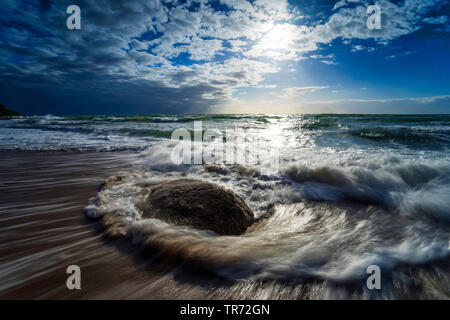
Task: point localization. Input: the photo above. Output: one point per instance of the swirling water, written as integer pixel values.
(349, 191)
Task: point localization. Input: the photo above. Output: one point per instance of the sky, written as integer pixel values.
(225, 56)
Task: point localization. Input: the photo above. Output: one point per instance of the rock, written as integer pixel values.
(5, 114)
(216, 169)
(199, 204)
(248, 171)
(114, 180)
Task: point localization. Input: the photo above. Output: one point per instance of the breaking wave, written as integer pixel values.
(325, 223)
(403, 135)
(411, 189)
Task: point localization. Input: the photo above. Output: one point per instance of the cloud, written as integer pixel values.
(300, 91)
(327, 59)
(403, 54)
(411, 105)
(436, 20)
(172, 55)
(406, 105)
(329, 62)
(320, 56)
(418, 100)
(357, 48)
(349, 21)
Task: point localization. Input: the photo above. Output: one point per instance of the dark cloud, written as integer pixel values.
(154, 56)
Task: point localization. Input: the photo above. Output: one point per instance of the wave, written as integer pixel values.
(403, 135)
(176, 118)
(443, 119)
(417, 190)
(324, 130)
(319, 240)
(53, 127)
(131, 132)
(326, 222)
(326, 123)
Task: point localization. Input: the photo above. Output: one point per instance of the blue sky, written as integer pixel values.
(225, 56)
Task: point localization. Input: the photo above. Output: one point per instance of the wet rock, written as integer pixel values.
(6, 114)
(248, 171)
(216, 169)
(199, 204)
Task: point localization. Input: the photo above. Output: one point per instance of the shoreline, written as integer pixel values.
(42, 222)
(44, 230)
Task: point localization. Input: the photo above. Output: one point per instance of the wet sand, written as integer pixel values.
(43, 230)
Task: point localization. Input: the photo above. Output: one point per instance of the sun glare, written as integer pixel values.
(277, 42)
(279, 37)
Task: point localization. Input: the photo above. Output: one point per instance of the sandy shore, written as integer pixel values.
(43, 230)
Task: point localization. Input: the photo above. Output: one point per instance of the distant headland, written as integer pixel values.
(6, 113)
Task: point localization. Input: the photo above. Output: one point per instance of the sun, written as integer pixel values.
(277, 42)
(279, 37)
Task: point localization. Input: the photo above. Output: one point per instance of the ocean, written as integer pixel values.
(345, 192)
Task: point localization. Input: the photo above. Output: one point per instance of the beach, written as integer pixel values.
(43, 226)
(44, 230)
(325, 214)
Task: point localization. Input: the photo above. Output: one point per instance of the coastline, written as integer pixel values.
(44, 230)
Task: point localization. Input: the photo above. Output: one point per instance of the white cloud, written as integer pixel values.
(357, 48)
(403, 54)
(137, 41)
(421, 100)
(329, 62)
(327, 59)
(349, 22)
(300, 91)
(436, 20)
